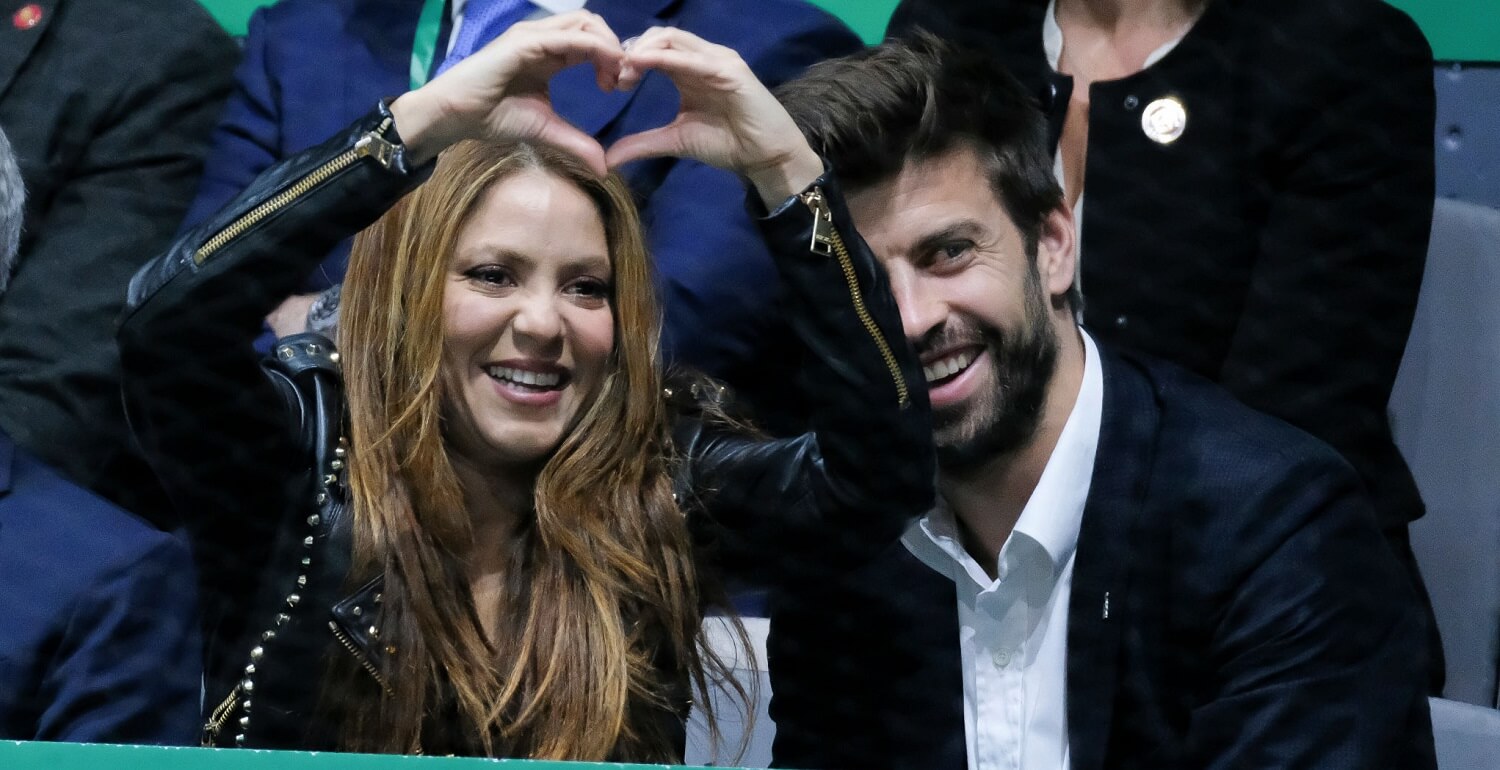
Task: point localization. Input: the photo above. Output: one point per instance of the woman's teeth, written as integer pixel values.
(524, 377)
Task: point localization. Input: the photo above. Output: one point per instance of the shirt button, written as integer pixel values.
(1131, 102)
(1001, 658)
(1121, 321)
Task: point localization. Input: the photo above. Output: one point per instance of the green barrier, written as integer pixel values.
(23, 755)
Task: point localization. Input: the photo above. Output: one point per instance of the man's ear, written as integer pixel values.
(1056, 252)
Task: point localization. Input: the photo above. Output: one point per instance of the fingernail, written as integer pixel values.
(629, 42)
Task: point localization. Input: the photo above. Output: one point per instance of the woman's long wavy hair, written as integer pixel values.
(596, 654)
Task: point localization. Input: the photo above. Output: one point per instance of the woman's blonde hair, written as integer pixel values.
(595, 655)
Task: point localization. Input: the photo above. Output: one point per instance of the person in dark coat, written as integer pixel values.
(100, 640)
(109, 105)
(1254, 186)
(1127, 567)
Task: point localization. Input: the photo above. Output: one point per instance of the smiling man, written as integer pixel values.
(1126, 567)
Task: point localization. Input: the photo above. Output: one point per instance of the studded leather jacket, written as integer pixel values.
(252, 452)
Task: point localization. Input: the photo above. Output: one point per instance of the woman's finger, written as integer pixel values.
(555, 50)
(652, 143)
(681, 66)
(564, 136)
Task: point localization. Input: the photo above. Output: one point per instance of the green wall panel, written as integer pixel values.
(866, 17)
(1459, 30)
(1464, 30)
(233, 14)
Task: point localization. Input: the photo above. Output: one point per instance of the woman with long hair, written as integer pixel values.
(483, 524)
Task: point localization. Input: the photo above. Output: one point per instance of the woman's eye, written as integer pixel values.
(589, 288)
(490, 274)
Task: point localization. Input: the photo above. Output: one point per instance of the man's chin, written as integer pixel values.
(963, 444)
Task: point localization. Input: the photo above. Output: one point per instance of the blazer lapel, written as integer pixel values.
(1102, 566)
(575, 94)
(389, 28)
(17, 39)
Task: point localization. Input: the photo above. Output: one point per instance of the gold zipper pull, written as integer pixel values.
(371, 145)
(823, 233)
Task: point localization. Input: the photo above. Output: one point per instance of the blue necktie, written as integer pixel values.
(484, 20)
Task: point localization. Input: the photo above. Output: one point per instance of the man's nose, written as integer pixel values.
(922, 309)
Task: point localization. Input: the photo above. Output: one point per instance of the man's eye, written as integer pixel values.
(955, 250)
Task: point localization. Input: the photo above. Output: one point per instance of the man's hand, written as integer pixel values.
(727, 119)
(500, 92)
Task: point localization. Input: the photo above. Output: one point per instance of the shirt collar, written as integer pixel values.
(1054, 512)
(1051, 34)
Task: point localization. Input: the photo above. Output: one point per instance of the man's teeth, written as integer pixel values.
(947, 367)
(523, 377)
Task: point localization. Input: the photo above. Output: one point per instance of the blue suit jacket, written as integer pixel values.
(313, 66)
(1233, 606)
(99, 633)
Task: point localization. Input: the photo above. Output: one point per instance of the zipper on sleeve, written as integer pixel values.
(372, 145)
(826, 241)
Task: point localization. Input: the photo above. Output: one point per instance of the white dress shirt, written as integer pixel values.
(1013, 630)
(544, 8)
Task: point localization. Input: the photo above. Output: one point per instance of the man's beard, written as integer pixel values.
(1004, 419)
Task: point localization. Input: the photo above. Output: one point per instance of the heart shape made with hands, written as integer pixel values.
(727, 118)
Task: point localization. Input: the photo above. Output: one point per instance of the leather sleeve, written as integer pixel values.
(209, 421)
(832, 497)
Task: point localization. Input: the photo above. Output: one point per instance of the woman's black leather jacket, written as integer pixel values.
(251, 450)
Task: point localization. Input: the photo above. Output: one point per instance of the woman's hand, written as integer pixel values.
(727, 119)
(500, 92)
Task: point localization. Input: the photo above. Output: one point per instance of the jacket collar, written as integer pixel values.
(1101, 571)
(17, 44)
(388, 27)
(356, 624)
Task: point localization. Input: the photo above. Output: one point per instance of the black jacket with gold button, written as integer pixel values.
(252, 453)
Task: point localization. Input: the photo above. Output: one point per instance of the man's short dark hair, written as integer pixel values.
(911, 99)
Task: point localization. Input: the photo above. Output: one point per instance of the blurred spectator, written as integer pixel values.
(99, 641)
(108, 104)
(1257, 196)
(312, 66)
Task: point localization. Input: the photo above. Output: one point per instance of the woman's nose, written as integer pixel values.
(538, 318)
